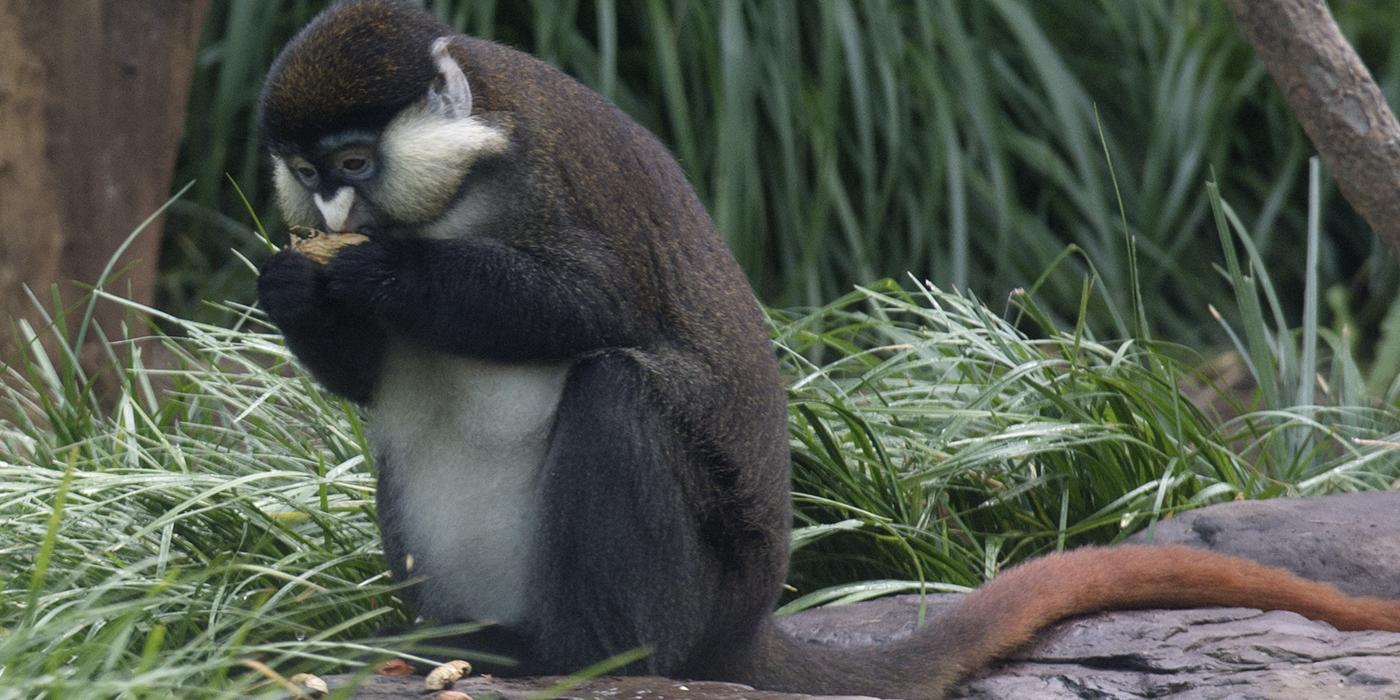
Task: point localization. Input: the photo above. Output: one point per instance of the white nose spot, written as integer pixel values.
(337, 210)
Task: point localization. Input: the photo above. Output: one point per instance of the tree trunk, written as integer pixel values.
(92, 104)
(1336, 100)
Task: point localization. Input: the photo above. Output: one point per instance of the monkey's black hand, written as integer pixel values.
(290, 290)
(364, 276)
(341, 346)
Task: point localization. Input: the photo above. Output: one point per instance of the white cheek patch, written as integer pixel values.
(292, 198)
(337, 210)
(426, 156)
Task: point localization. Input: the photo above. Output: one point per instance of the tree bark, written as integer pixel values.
(1337, 101)
(92, 104)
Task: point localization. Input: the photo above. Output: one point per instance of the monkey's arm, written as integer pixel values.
(484, 298)
(342, 348)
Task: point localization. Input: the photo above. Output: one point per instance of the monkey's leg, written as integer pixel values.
(621, 563)
(342, 348)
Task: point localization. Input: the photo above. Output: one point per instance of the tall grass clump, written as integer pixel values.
(940, 443)
(936, 440)
(208, 530)
(1309, 376)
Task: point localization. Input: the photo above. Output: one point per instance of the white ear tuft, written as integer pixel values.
(449, 95)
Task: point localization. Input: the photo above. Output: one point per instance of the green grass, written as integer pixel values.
(938, 440)
(220, 511)
(947, 443)
(199, 521)
(838, 142)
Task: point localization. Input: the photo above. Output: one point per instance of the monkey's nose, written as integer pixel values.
(361, 219)
(337, 210)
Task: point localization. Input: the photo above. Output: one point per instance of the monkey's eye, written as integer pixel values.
(355, 164)
(306, 172)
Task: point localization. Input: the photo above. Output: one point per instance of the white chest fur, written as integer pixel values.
(465, 440)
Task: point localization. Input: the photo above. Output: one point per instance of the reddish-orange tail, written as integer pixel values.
(1024, 599)
(1005, 613)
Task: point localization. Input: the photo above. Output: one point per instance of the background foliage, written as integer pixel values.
(837, 142)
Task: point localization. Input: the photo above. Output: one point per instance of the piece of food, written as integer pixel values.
(321, 246)
(310, 685)
(445, 675)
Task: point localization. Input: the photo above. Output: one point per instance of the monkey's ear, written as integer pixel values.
(449, 95)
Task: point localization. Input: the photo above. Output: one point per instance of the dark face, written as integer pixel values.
(339, 171)
(367, 117)
(404, 178)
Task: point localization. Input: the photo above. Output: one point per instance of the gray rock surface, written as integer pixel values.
(1181, 654)
(638, 688)
(1351, 540)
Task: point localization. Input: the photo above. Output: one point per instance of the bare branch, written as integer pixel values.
(1337, 101)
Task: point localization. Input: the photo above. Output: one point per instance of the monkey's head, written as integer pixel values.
(368, 119)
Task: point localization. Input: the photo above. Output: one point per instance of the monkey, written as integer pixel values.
(575, 409)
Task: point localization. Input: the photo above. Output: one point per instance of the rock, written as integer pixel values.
(1205, 653)
(871, 622)
(609, 688)
(1197, 654)
(1182, 654)
(1352, 540)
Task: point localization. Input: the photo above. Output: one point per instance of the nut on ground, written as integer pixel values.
(445, 675)
(310, 685)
